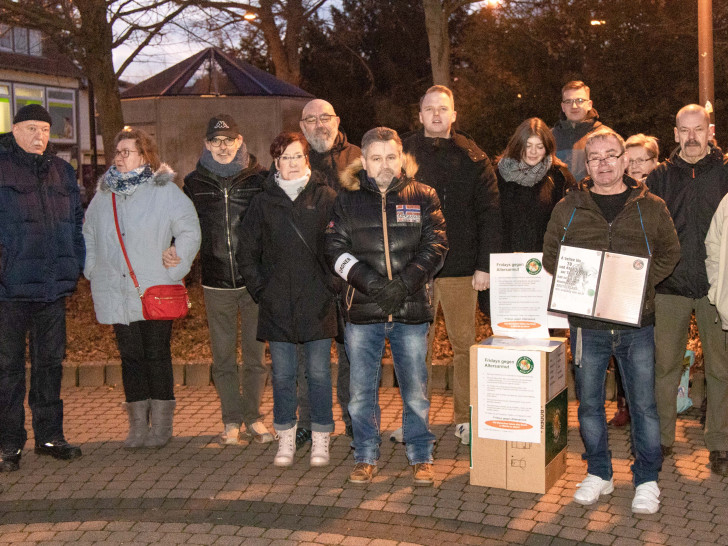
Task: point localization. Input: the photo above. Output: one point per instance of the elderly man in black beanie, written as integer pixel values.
(41, 257)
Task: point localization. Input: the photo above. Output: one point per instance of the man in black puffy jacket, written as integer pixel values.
(387, 240)
(41, 257)
(221, 187)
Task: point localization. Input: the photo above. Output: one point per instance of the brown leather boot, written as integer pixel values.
(620, 418)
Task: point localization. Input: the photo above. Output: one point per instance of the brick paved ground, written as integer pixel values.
(195, 491)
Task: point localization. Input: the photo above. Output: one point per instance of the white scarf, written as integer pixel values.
(295, 186)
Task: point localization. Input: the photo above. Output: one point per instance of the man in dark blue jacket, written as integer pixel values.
(41, 257)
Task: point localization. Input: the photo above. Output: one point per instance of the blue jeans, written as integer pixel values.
(364, 346)
(634, 351)
(46, 323)
(318, 373)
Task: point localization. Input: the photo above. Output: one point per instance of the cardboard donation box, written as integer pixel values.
(518, 413)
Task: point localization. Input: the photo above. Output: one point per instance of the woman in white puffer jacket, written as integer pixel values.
(152, 212)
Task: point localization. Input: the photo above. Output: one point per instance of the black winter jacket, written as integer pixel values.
(221, 205)
(526, 212)
(294, 291)
(333, 162)
(588, 228)
(400, 233)
(692, 193)
(466, 185)
(42, 251)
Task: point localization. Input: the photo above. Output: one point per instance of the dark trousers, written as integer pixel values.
(146, 359)
(46, 323)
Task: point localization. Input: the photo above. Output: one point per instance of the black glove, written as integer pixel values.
(390, 298)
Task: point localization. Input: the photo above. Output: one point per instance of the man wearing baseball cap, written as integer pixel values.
(226, 178)
(41, 257)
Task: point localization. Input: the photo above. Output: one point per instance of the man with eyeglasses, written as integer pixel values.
(578, 118)
(42, 254)
(692, 181)
(609, 210)
(329, 154)
(221, 187)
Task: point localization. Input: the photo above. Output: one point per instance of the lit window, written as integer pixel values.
(6, 119)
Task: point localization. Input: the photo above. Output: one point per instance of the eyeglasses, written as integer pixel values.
(323, 118)
(125, 153)
(216, 142)
(639, 162)
(609, 160)
(573, 102)
(292, 158)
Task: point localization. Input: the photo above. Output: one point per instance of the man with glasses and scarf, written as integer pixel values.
(222, 185)
(578, 118)
(609, 210)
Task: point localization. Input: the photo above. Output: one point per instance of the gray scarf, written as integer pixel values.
(226, 170)
(521, 172)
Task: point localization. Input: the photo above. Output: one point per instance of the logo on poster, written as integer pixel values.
(533, 266)
(524, 365)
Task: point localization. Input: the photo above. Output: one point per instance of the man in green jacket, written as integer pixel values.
(612, 211)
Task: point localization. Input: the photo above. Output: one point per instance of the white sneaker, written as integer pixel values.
(320, 448)
(231, 436)
(588, 491)
(259, 433)
(646, 498)
(397, 436)
(462, 431)
(286, 447)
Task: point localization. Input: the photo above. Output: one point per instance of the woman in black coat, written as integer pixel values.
(282, 262)
(531, 180)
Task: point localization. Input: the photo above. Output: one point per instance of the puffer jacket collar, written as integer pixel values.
(354, 176)
(163, 175)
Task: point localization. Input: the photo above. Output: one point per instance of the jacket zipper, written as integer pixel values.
(229, 240)
(387, 258)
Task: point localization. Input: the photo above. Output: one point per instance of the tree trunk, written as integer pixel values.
(95, 39)
(287, 69)
(439, 39)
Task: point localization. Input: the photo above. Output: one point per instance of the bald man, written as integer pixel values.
(692, 183)
(330, 154)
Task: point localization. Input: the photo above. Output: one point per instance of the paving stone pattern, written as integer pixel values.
(195, 491)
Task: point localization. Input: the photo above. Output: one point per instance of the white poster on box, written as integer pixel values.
(509, 394)
(519, 295)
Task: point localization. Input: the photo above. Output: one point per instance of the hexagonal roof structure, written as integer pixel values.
(212, 73)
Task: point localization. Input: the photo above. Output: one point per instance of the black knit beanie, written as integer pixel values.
(33, 112)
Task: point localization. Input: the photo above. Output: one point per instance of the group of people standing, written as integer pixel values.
(361, 246)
